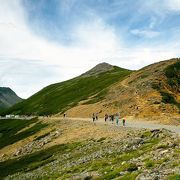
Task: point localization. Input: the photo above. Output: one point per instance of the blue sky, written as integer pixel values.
(48, 41)
(138, 21)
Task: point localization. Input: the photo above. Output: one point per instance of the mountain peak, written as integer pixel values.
(99, 68)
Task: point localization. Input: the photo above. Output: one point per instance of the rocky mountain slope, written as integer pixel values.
(153, 91)
(57, 98)
(54, 148)
(8, 98)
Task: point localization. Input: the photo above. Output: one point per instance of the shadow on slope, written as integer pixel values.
(9, 129)
(34, 160)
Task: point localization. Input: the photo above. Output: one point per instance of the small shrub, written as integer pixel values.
(101, 139)
(156, 86)
(167, 98)
(130, 176)
(144, 75)
(149, 164)
(174, 177)
(146, 134)
(132, 167)
(162, 146)
(172, 72)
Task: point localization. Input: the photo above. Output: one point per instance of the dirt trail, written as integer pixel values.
(124, 83)
(140, 102)
(136, 124)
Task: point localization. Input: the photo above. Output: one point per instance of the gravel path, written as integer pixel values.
(152, 125)
(137, 124)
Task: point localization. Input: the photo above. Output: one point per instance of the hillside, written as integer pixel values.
(57, 98)
(55, 148)
(151, 92)
(8, 98)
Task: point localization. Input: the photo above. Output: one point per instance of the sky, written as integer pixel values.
(48, 41)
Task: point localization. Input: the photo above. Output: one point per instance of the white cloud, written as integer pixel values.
(95, 42)
(173, 5)
(17, 42)
(161, 7)
(145, 33)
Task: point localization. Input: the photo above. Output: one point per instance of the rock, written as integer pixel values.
(123, 173)
(164, 152)
(17, 153)
(3, 155)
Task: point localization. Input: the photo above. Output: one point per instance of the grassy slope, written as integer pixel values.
(61, 96)
(172, 73)
(9, 130)
(52, 163)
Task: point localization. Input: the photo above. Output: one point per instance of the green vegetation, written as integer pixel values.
(162, 146)
(174, 177)
(74, 159)
(110, 165)
(156, 85)
(146, 134)
(144, 75)
(42, 136)
(169, 99)
(34, 160)
(9, 130)
(149, 164)
(130, 176)
(172, 72)
(62, 96)
(132, 167)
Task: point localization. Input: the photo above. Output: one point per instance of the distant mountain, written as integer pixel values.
(90, 87)
(8, 98)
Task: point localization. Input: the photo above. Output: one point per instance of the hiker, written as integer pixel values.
(112, 118)
(124, 121)
(106, 117)
(96, 116)
(64, 115)
(117, 119)
(93, 117)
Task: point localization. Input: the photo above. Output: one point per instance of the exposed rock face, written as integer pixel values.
(8, 98)
(100, 68)
(37, 144)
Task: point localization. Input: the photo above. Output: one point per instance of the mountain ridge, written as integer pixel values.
(61, 96)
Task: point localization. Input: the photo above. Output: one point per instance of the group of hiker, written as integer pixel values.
(113, 117)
